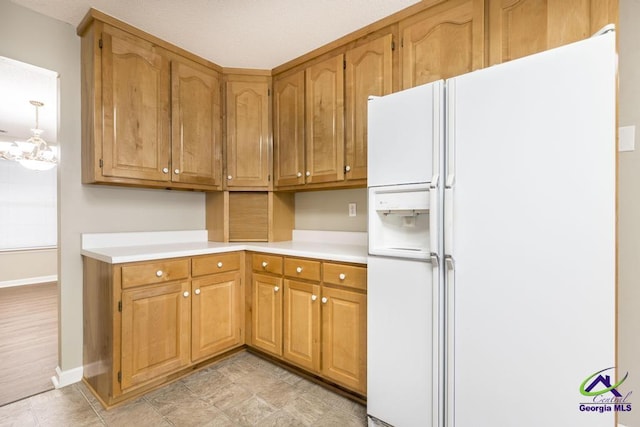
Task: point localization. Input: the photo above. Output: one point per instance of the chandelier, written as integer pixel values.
(34, 153)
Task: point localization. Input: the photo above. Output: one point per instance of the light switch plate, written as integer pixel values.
(627, 138)
(352, 209)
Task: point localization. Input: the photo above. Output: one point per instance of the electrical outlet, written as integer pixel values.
(352, 209)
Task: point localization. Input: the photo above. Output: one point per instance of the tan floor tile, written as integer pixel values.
(307, 411)
(64, 407)
(250, 412)
(17, 414)
(228, 396)
(282, 418)
(139, 413)
(337, 417)
(194, 416)
(174, 397)
(278, 394)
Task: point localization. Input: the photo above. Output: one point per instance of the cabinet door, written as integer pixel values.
(215, 314)
(301, 322)
(443, 41)
(288, 130)
(135, 96)
(267, 313)
(247, 134)
(367, 72)
(522, 27)
(155, 331)
(196, 125)
(344, 338)
(325, 121)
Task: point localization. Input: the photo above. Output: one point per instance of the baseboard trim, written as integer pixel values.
(28, 281)
(65, 378)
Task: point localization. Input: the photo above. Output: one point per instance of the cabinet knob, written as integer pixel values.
(308, 173)
(299, 174)
(264, 264)
(159, 273)
(324, 300)
(314, 297)
(185, 294)
(165, 170)
(342, 276)
(347, 168)
(229, 177)
(176, 171)
(276, 288)
(219, 264)
(299, 269)
(197, 291)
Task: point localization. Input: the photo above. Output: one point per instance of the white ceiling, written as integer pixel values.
(231, 33)
(234, 33)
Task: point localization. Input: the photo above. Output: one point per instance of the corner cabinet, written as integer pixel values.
(150, 116)
(148, 323)
(317, 321)
(248, 143)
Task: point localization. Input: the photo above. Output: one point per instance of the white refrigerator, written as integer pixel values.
(513, 310)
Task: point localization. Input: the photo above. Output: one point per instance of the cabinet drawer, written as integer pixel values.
(345, 275)
(154, 272)
(218, 263)
(302, 268)
(267, 263)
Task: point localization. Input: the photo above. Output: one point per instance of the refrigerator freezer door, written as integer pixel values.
(533, 237)
(402, 342)
(405, 133)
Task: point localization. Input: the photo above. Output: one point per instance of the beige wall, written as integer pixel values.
(329, 210)
(629, 208)
(33, 38)
(20, 266)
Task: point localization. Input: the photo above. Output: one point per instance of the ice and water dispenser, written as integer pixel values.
(399, 221)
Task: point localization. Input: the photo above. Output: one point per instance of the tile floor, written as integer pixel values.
(243, 390)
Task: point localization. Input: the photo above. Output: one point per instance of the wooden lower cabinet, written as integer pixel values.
(301, 323)
(155, 332)
(267, 313)
(344, 338)
(317, 321)
(148, 323)
(216, 307)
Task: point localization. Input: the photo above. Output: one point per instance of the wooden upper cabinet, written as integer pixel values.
(135, 97)
(325, 121)
(196, 134)
(288, 130)
(442, 42)
(247, 156)
(367, 72)
(522, 27)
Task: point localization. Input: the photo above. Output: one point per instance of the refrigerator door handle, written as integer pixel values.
(449, 362)
(438, 374)
(433, 219)
(448, 221)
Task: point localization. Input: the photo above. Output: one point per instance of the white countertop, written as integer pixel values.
(116, 248)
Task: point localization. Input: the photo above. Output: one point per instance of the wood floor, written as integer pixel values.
(28, 340)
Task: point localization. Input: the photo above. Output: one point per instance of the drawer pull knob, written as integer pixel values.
(299, 269)
(342, 276)
(229, 177)
(176, 171)
(324, 300)
(276, 288)
(219, 264)
(159, 273)
(185, 294)
(308, 173)
(197, 291)
(165, 170)
(264, 264)
(299, 174)
(314, 297)
(347, 168)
